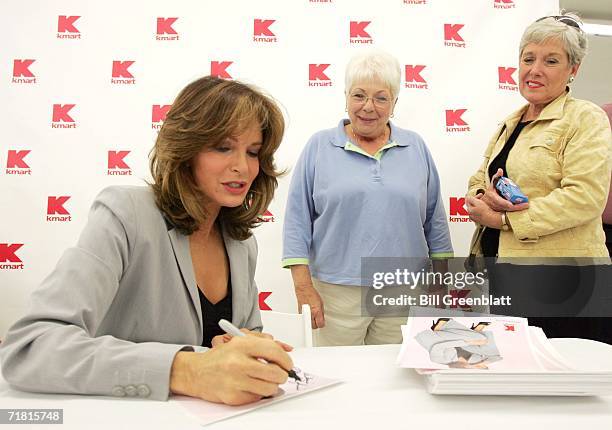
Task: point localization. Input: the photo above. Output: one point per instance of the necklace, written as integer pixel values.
(374, 142)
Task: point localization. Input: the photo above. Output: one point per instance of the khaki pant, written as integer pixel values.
(344, 324)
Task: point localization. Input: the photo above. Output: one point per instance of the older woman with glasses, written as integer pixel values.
(365, 188)
(557, 150)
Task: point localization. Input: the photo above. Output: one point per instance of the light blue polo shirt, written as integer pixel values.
(345, 204)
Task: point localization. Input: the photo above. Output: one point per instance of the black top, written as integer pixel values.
(212, 313)
(489, 241)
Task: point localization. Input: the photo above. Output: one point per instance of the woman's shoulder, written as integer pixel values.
(406, 137)
(325, 133)
(118, 196)
(130, 204)
(320, 144)
(249, 244)
(324, 136)
(584, 109)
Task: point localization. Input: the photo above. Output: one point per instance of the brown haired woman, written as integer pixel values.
(127, 310)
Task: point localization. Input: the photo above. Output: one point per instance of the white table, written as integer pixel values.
(376, 395)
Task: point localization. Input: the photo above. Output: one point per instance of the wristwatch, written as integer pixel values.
(504, 222)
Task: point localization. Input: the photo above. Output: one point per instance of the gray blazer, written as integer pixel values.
(120, 304)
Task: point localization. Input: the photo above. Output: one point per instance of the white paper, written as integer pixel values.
(208, 412)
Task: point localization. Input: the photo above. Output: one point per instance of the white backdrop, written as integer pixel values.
(82, 82)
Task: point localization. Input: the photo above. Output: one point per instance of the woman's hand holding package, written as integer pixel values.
(486, 209)
(496, 202)
(481, 213)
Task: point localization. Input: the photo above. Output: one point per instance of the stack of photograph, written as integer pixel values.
(497, 355)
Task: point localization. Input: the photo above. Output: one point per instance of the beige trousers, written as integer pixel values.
(344, 324)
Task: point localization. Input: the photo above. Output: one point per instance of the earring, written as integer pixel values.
(248, 200)
(346, 109)
(392, 114)
(571, 79)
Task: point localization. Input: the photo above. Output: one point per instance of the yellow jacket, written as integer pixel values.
(562, 162)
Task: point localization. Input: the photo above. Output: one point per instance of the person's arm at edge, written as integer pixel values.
(297, 233)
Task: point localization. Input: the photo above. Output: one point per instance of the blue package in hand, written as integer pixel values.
(510, 191)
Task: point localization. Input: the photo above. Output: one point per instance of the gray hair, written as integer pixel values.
(373, 64)
(573, 40)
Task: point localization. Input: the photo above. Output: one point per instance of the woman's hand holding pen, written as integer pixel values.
(233, 372)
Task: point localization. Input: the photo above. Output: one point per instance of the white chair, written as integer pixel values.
(294, 329)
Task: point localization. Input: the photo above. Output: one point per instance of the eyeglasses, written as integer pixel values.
(567, 20)
(362, 99)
